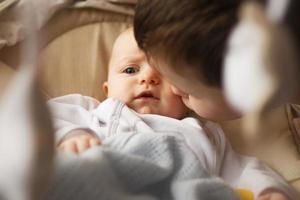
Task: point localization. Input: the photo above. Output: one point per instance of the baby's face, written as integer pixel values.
(133, 81)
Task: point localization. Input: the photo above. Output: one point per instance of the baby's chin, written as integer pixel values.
(146, 110)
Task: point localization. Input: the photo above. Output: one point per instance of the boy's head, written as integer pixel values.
(187, 34)
(185, 41)
(133, 81)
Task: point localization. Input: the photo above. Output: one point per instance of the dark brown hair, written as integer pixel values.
(189, 32)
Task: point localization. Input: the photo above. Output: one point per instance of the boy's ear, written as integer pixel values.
(105, 88)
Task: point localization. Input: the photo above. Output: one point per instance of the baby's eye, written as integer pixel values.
(131, 70)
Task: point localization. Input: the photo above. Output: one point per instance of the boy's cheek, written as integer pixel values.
(187, 102)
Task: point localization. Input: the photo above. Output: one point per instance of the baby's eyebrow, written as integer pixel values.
(120, 64)
(136, 57)
(130, 60)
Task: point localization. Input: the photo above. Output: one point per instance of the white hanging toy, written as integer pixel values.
(260, 67)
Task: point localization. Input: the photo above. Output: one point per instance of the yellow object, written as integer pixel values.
(245, 194)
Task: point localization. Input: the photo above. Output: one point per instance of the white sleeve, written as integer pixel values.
(71, 112)
(250, 173)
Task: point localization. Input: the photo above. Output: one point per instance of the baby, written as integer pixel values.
(134, 82)
(142, 102)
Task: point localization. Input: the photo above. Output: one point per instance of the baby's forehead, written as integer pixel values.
(125, 37)
(125, 49)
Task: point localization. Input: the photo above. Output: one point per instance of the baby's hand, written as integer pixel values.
(272, 196)
(78, 143)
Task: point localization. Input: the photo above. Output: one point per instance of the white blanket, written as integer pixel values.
(151, 155)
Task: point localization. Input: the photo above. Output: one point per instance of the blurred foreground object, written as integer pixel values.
(261, 75)
(26, 136)
(26, 140)
(261, 64)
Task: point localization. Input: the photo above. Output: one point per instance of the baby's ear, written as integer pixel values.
(105, 88)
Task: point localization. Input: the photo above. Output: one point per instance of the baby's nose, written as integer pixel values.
(150, 76)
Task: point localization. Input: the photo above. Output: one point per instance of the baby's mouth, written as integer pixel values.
(147, 95)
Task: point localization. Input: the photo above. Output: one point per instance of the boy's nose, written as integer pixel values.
(150, 76)
(178, 92)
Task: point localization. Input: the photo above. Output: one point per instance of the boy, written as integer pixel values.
(186, 42)
(82, 123)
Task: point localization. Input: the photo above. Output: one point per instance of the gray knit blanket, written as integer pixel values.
(136, 166)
